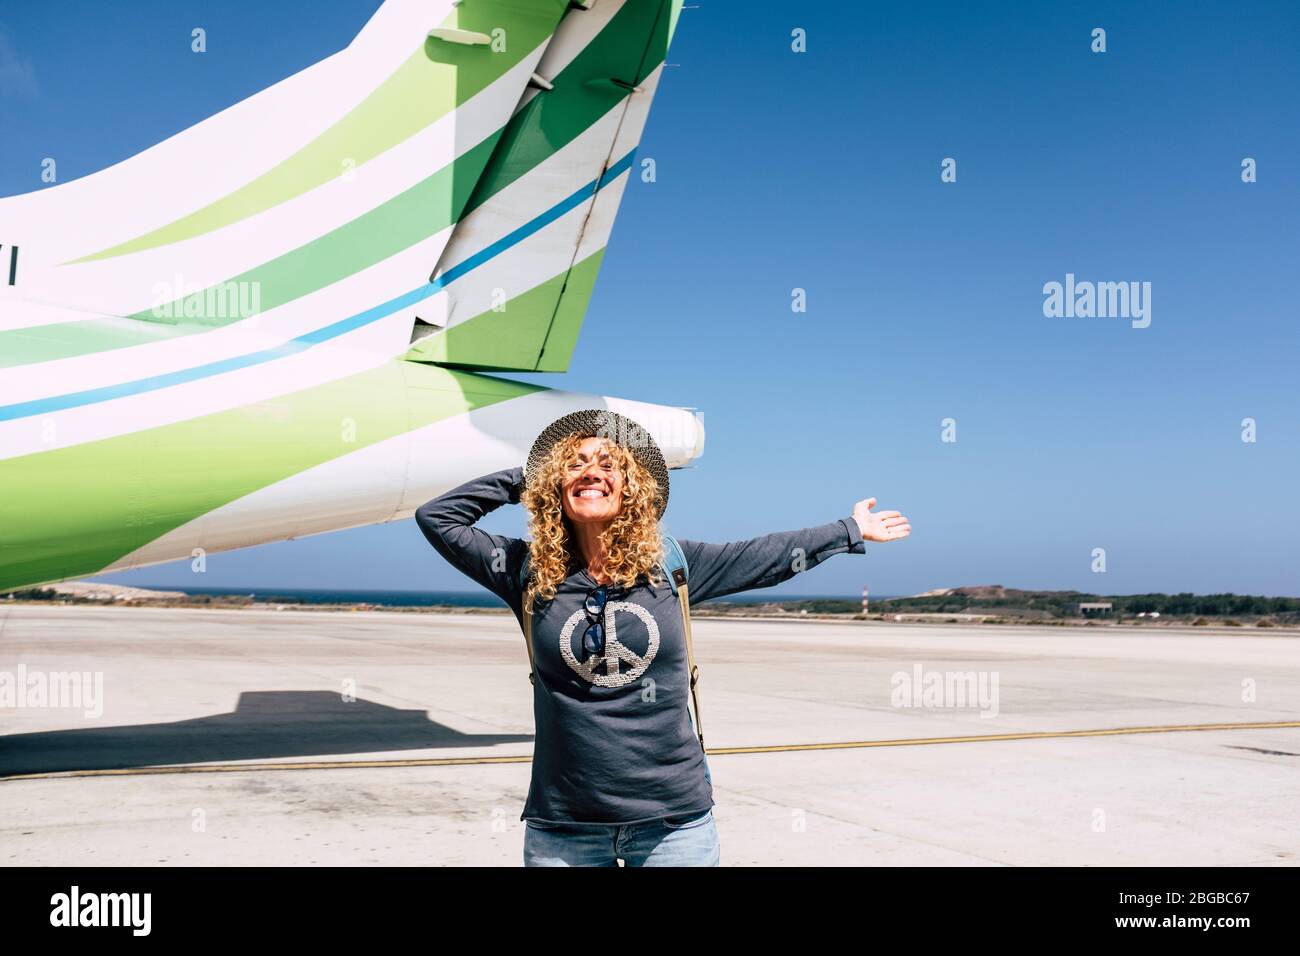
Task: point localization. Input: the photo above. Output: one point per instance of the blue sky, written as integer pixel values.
(821, 170)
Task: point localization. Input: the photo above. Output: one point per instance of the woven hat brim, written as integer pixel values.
(603, 423)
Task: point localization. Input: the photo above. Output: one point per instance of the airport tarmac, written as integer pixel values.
(1196, 760)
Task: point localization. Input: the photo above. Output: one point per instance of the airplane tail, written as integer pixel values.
(492, 138)
(362, 160)
(204, 344)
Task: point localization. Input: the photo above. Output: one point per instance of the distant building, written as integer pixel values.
(1091, 608)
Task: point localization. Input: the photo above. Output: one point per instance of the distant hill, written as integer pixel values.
(1066, 604)
(998, 602)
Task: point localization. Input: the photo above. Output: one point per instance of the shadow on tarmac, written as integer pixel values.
(264, 725)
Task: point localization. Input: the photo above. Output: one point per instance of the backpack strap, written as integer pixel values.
(528, 636)
(677, 571)
(528, 615)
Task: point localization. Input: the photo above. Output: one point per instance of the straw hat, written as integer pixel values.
(603, 423)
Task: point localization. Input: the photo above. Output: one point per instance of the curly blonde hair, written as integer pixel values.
(632, 543)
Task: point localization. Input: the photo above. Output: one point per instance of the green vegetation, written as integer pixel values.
(1066, 603)
(1052, 606)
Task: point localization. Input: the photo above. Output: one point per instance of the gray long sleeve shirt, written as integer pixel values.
(614, 743)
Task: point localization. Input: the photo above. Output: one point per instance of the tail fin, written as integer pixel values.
(366, 157)
(519, 270)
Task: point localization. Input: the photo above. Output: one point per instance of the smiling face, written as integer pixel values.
(592, 488)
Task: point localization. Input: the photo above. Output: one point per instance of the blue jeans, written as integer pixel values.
(687, 840)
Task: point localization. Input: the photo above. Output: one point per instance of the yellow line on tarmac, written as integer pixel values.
(776, 748)
(978, 738)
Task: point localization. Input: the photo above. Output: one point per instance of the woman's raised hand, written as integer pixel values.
(881, 526)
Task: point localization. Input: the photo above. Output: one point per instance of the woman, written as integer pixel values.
(618, 772)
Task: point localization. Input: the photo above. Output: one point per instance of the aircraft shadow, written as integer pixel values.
(263, 725)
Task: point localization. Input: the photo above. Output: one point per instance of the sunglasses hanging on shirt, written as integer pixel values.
(593, 638)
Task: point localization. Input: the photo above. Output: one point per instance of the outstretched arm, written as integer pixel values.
(716, 570)
(492, 560)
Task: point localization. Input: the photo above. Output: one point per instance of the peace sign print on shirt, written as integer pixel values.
(613, 675)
